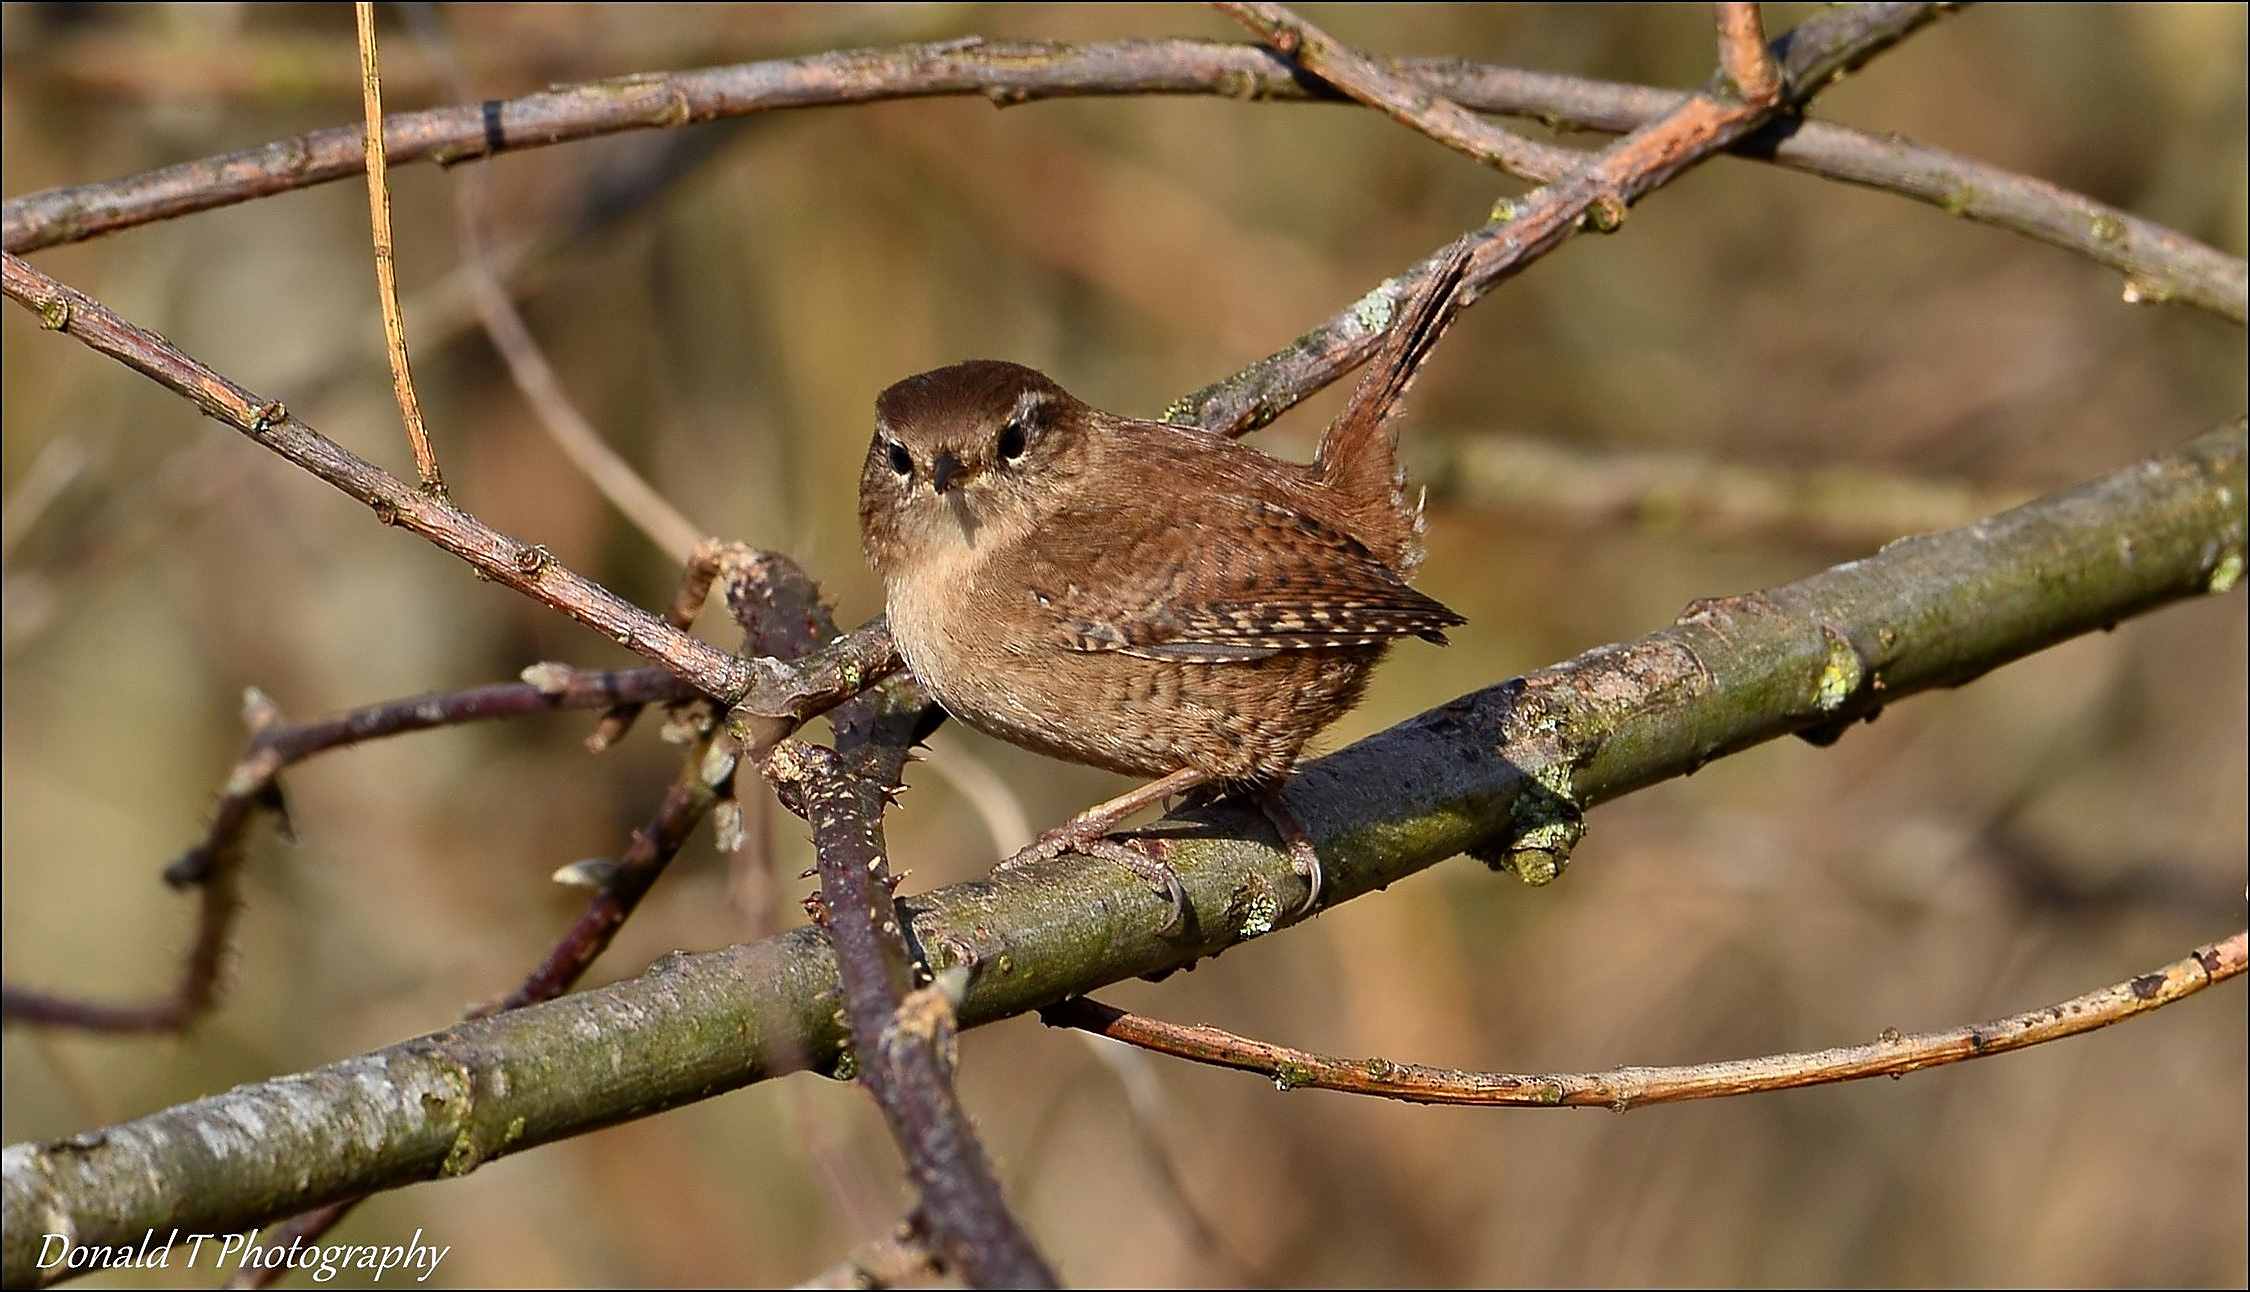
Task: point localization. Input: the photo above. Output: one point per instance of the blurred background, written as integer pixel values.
(724, 301)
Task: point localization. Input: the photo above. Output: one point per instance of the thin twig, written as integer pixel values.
(386, 270)
(253, 786)
(885, 1263)
(638, 501)
(1620, 1089)
(649, 511)
(1397, 97)
(1743, 56)
(2161, 263)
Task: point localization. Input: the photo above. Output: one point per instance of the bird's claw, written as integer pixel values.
(1093, 843)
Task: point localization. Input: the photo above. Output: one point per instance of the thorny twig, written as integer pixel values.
(902, 1036)
(1620, 1089)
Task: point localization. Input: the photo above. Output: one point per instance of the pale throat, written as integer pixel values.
(931, 591)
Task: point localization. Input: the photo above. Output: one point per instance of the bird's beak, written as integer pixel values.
(947, 473)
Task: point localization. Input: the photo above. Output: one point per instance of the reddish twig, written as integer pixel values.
(386, 267)
(1398, 97)
(1620, 1089)
(1743, 57)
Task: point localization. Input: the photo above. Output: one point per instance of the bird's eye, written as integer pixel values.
(1012, 440)
(901, 461)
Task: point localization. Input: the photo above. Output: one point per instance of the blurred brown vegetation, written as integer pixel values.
(724, 302)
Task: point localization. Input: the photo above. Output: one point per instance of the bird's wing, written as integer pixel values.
(1240, 579)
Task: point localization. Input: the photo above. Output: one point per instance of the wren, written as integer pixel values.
(1145, 597)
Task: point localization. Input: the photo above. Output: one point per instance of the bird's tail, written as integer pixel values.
(1359, 454)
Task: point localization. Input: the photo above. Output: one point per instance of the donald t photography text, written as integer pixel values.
(238, 1252)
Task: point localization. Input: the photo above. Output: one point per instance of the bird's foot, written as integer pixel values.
(1303, 858)
(1088, 833)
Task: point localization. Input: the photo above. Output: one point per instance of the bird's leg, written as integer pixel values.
(1087, 833)
(1296, 841)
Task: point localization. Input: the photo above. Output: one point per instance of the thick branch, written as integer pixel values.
(1504, 771)
(1622, 1089)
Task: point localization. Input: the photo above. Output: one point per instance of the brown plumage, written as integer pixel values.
(1139, 596)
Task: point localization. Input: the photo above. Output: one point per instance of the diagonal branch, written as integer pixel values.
(1598, 192)
(1398, 97)
(1507, 772)
(1623, 1089)
(524, 567)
